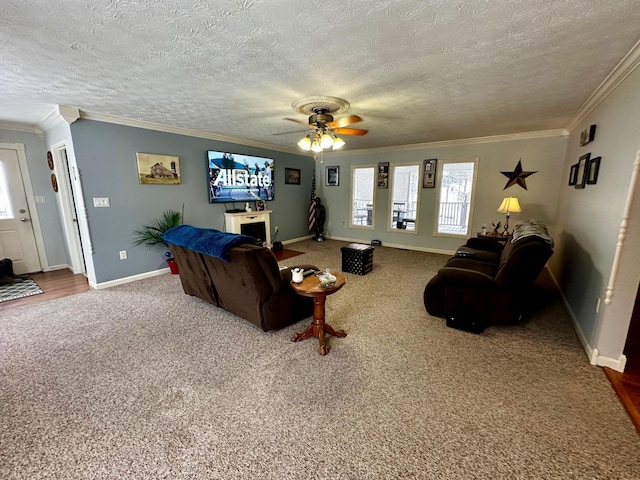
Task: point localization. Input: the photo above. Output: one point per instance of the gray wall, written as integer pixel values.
(40, 177)
(544, 155)
(590, 219)
(106, 157)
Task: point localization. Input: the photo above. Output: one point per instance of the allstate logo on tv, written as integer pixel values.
(239, 178)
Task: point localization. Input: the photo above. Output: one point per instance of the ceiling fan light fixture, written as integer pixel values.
(305, 143)
(316, 147)
(338, 143)
(326, 140)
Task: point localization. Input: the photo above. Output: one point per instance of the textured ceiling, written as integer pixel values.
(416, 71)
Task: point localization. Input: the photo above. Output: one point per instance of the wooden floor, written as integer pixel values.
(627, 386)
(61, 283)
(56, 284)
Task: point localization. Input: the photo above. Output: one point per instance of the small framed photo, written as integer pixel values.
(383, 175)
(587, 135)
(594, 168)
(332, 176)
(292, 176)
(573, 174)
(260, 206)
(429, 178)
(583, 167)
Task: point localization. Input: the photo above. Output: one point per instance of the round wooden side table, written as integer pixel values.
(310, 287)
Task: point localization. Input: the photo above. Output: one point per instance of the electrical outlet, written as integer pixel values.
(277, 229)
(123, 254)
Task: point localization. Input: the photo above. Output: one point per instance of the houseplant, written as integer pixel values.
(151, 234)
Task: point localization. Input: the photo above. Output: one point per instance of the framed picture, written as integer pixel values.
(429, 178)
(573, 174)
(332, 176)
(292, 176)
(50, 160)
(583, 167)
(587, 135)
(260, 206)
(594, 167)
(158, 169)
(383, 175)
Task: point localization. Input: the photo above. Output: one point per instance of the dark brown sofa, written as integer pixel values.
(488, 281)
(250, 284)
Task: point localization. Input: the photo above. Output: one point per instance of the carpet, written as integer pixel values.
(142, 381)
(284, 254)
(13, 291)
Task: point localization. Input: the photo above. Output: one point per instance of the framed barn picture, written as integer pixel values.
(158, 169)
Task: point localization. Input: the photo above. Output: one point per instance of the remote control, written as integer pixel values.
(306, 273)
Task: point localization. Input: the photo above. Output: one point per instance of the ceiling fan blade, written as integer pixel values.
(297, 121)
(343, 122)
(350, 131)
(293, 131)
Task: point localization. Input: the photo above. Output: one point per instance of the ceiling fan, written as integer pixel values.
(323, 129)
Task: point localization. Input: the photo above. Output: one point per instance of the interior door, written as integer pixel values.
(632, 346)
(17, 240)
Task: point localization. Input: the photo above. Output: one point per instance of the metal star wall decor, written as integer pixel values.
(517, 176)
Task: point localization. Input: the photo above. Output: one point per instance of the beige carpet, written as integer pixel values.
(143, 381)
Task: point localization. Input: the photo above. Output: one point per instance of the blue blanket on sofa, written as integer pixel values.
(206, 240)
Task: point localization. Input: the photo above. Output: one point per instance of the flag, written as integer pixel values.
(312, 205)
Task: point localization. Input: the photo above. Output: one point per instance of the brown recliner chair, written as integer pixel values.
(486, 282)
(249, 285)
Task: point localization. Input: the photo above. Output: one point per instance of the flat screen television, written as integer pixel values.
(239, 178)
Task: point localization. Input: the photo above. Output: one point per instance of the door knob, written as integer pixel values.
(24, 219)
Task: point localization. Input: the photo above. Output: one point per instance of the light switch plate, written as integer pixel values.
(100, 202)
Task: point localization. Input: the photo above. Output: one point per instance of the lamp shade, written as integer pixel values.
(326, 140)
(509, 205)
(338, 143)
(305, 143)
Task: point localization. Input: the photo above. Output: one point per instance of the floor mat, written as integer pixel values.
(284, 254)
(13, 291)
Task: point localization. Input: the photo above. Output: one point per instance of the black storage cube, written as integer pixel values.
(357, 258)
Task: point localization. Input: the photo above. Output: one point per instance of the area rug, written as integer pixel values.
(284, 254)
(13, 291)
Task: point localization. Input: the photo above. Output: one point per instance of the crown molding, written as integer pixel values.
(20, 127)
(100, 117)
(462, 141)
(58, 114)
(621, 71)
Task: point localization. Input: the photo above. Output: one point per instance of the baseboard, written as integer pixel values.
(294, 240)
(593, 355)
(589, 350)
(396, 245)
(616, 364)
(133, 278)
(57, 267)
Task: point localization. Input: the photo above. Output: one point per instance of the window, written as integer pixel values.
(456, 188)
(6, 210)
(404, 197)
(362, 188)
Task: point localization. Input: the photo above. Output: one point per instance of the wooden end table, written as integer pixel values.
(498, 237)
(310, 287)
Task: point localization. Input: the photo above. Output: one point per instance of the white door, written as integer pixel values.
(17, 241)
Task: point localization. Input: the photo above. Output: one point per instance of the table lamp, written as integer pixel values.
(509, 205)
